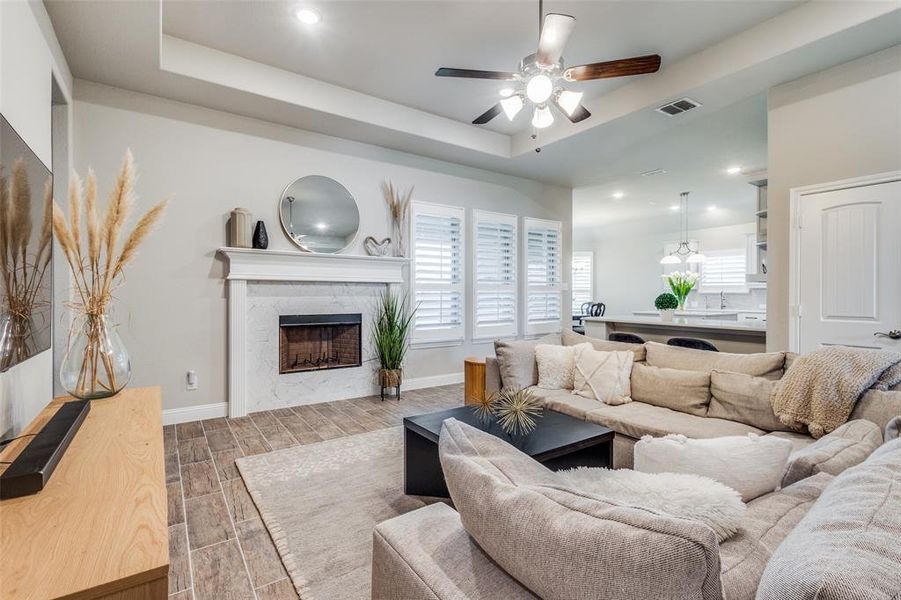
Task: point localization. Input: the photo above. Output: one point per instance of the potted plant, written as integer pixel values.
(666, 303)
(681, 282)
(391, 337)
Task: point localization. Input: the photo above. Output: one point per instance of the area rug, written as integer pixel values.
(320, 503)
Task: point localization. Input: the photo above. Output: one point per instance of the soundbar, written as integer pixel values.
(31, 469)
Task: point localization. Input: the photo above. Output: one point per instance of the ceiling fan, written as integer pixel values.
(541, 75)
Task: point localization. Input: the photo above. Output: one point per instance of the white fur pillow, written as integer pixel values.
(555, 366)
(679, 495)
(752, 465)
(601, 375)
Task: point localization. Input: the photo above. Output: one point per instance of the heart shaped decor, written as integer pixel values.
(375, 248)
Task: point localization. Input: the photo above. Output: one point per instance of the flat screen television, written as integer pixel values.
(26, 279)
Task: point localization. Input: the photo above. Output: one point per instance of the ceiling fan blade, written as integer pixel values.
(488, 115)
(475, 74)
(554, 35)
(580, 114)
(624, 67)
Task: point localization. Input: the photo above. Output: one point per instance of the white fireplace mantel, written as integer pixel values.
(246, 264)
(285, 265)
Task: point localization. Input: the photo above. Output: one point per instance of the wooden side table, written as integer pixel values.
(474, 380)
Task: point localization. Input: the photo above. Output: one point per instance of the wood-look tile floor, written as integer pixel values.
(218, 546)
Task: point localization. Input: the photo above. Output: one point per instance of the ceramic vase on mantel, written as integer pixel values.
(239, 227)
(260, 237)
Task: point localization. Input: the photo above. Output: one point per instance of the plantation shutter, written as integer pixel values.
(724, 270)
(544, 296)
(495, 275)
(583, 280)
(438, 276)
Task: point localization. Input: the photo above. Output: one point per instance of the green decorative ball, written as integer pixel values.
(666, 301)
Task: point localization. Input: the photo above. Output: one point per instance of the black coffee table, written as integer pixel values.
(558, 442)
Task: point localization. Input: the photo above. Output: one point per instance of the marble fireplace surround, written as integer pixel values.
(322, 281)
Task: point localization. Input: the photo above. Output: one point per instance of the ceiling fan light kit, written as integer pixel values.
(541, 75)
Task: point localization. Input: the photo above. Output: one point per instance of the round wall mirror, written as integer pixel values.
(319, 215)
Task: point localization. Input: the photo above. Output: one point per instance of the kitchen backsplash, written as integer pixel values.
(755, 299)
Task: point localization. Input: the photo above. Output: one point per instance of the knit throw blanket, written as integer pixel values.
(820, 389)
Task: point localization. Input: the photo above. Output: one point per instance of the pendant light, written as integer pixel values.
(684, 252)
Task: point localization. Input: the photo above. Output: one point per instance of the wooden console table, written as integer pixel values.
(99, 527)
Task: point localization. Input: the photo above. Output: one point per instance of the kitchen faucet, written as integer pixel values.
(722, 300)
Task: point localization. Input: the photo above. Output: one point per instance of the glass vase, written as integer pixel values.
(96, 363)
(17, 340)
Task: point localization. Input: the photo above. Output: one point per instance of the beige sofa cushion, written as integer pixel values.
(849, 445)
(555, 366)
(516, 360)
(685, 391)
(426, 554)
(847, 546)
(564, 401)
(602, 376)
(571, 338)
(637, 419)
(564, 544)
(743, 398)
(877, 406)
(767, 521)
(768, 364)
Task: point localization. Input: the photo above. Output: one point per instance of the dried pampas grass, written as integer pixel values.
(399, 208)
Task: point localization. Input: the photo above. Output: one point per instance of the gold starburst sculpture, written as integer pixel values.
(516, 410)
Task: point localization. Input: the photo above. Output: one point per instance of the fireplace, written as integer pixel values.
(317, 342)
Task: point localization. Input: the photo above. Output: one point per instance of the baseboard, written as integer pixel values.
(418, 383)
(172, 416)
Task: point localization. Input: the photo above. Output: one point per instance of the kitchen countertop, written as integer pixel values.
(701, 312)
(684, 323)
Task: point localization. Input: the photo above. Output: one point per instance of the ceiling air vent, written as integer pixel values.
(653, 172)
(679, 106)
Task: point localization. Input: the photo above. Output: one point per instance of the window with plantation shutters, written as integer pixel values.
(543, 242)
(724, 271)
(583, 280)
(438, 276)
(494, 269)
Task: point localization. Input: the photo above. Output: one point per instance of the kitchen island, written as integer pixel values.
(742, 337)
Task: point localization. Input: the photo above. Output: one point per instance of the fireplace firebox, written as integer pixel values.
(317, 342)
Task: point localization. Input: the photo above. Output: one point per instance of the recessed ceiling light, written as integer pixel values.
(711, 207)
(675, 207)
(506, 92)
(733, 170)
(321, 226)
(308, 16)
(618, 195)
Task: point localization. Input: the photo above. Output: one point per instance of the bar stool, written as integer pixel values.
(693, 343)
(628, 338)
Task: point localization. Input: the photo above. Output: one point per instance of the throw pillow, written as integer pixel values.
(743, 398)
(678, 494)
(761, 364)
(849, 445)
(555, 366)
(752, 465)
(603, 376)
(676, 389)
(571, 338)
(516, 360)
(846, 546)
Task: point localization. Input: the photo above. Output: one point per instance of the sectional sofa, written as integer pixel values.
(695, 393)
(829, 532)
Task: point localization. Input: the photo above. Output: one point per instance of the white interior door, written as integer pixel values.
(850, 267)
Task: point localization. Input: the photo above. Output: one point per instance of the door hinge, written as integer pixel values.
(798, 220)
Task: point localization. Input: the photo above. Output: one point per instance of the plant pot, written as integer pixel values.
(666, 315)
(390, 378)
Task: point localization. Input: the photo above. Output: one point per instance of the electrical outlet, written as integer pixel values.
(191, 380)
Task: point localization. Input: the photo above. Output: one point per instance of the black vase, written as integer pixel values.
(260, 237)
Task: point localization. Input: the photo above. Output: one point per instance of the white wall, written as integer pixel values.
(30, 59)
(172, 308)
(837, 124)
(627, 266)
